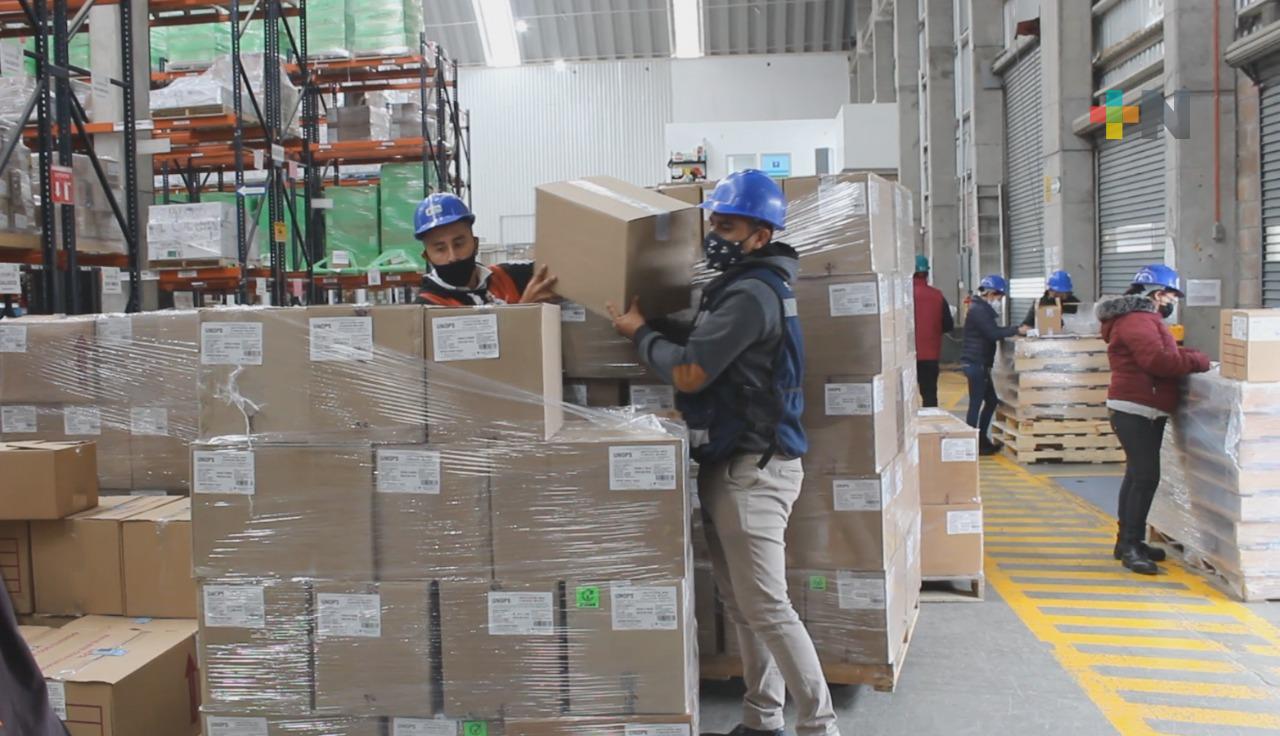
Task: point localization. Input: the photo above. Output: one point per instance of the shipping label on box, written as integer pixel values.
(653, 397)
(341, 339)
(224, 471)
(408, 471)
(644, 608)
(348, 614)
(514, 613)
(642, 468)
(231, 343)
(234, 606)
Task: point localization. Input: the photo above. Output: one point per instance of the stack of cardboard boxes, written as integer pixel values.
(952, 535)
(395, 532)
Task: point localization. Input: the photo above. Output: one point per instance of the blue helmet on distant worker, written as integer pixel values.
(749, 193)
(1060, 281)
(994, 282)
(922, 264)
(438, 210)
(1158, 275)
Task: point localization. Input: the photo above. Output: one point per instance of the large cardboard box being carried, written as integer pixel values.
(848, 324)
(948, 459)
(609, 241)
(951, 545)
(156, 551)
(47, 480)
(592, 348)
(851, 422)
(15, 565)
(147, 683)
(1250, 344)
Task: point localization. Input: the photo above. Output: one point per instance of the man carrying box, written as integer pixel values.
(739, 372)
(1058, 291)
(444, 225)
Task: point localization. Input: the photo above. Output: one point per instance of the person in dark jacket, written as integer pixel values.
(982, 332)
(739, 374)
(1058, 290)
(1146, 368)
(24, 700)
(933, 320)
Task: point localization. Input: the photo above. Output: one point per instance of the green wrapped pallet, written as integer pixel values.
(383, 26)
(402, 190)
(77, 52)
(352, 224)
(159, 47)
(194, 44)
(326, 28)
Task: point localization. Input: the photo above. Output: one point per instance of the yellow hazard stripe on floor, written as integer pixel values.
(1126, 639)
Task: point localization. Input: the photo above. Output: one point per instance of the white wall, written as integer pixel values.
(723, 139)
(780, 87)
(869, 135)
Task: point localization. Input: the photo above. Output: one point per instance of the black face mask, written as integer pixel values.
(1166, 311)
(457, 274)
(721, 252)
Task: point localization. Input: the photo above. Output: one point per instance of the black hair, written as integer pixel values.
(1136, 290)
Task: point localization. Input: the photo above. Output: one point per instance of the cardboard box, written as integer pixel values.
(47, 480)
(692, 194)
(149, 684)
(1250, 344)
(327, 373)
(848, 324)
(646, 725)
(260, 511)
(47, 360)
(237, 722)
(951, 545)
(595, 392)
(502, 627)
(32, 634)
(850, 228)
(652, 396)
(15, 565)
(493, 371)
(904, 219)
(948, 460)
(1049, 319)
(851, 423)
(373, 648)
(904, 318)
(591, 348)
(801, 193)
(158, 580)
(76, 562)
(255, 645)
(609, 241)
(631, 648)
(431, 512)
(594, 503)
(107, 426)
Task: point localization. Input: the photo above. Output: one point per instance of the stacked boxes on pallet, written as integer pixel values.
(395, 532)
(951, 504)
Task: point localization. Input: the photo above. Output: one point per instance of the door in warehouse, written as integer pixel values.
(1024, 177)
(1131, 208)
(1269, 120)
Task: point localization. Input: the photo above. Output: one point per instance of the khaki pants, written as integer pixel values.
(746, 509)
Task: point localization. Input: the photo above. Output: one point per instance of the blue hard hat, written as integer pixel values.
(1158, 274)
(439, 210)
(994, 282)
(1059, 281)
(749, 193)
(922, 264)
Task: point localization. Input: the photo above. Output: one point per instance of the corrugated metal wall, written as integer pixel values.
(1131, 208)
(534, 124)
(1269, 119)
(1024, 177)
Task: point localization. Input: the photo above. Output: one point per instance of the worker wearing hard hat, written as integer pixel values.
(1057, 291)
(982, 332)
(933, 320)
(739, 374)
(444, 225)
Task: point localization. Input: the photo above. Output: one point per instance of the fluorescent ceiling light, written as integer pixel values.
(560, 65)
(522, 26)
(686, 26)
(498, 31)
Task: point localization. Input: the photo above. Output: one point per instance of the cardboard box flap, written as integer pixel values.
(615, 197)
(178, 509)
(42, 445)
(108, 653)
(119, 508)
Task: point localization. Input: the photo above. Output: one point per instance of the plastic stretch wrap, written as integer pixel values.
(402, 189)
(326, 29)
(1062, 377)
(17, 198)
(1220, 490)
(212, 89)
(383, 26)
(352, 224)
(205, 230)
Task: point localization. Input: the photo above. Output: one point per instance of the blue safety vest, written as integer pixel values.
(719, 415)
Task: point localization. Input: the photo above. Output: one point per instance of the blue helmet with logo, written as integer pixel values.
(749, 193)
(994, 282)
(439, 210)
(1060, 281)
(1158, 275)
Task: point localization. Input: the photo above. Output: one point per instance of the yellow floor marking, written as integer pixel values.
(1196, 597)
(1075, 575)
(1263, 651)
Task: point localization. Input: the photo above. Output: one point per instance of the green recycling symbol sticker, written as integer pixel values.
(588, 597)
(475, 728)
(817, 582)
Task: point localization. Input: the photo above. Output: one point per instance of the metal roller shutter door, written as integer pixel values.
(1269, 119)
(1024, 195)
(1131, 208)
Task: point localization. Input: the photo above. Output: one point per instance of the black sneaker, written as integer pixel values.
(1131, 557)
(987, 449)
(1155, 554)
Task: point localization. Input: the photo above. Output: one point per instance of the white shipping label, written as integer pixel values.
(1263, 329)
(642, 468)
(959, 450)
(409, 471)
(652, 397)
(860, 593)
(111, 280)
(150, 421)
(423, 727)
(349, 614)
(472, 337)
(86, 420)
(851, 300)
(13, 338)
(964, 522)
(850, 399)
(644, 608)
(224, 471)
(341, 339)
(1239, 327)
(10, 278)
(570, 312)
(374, 277)
(18, 419)
(231, 343)
(521, 614)
(114, 330)
(857, 495)
(231, 726)
(576, 393)
(235, 606)
(656, 729)
(57, 698)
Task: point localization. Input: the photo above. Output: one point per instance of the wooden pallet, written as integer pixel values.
(19, 241)
(1087, 457)
(193, 111)
(1251, 589)
(180, 264)
(1052, 443)
(1074, 363)
(1046, 427)
(939, 589)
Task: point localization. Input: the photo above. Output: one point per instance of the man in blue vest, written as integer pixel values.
(738, 372)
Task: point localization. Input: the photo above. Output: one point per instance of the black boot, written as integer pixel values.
(1131, 557)
(989, 447)
(1155, 554)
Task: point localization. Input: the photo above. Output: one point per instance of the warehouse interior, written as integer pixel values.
(358, 376)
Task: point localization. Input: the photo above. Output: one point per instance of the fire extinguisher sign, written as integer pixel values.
(60, 182)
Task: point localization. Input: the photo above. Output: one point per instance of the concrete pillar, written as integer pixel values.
(906, 24)
(1248, 192)
(865, 63)
(1070, 226)
(986, 36)
(1201, 222)
(940, 211)
(882, 42)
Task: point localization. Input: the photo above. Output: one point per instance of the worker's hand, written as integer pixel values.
(689, 378)
(627, 324)
(1023, 330)
(541, 288)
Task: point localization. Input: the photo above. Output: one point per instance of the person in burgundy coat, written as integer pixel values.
(1147, 366)
(933, 320)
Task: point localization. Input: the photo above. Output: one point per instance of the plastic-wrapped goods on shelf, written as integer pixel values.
(326, 29)
(352, 224)
(359, 123)
(383, 26)
(210, 92)
(17, 198)
(205, 231)
(402, 188)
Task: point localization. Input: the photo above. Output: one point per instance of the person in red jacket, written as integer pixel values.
(933, 320)
(1146, 367)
